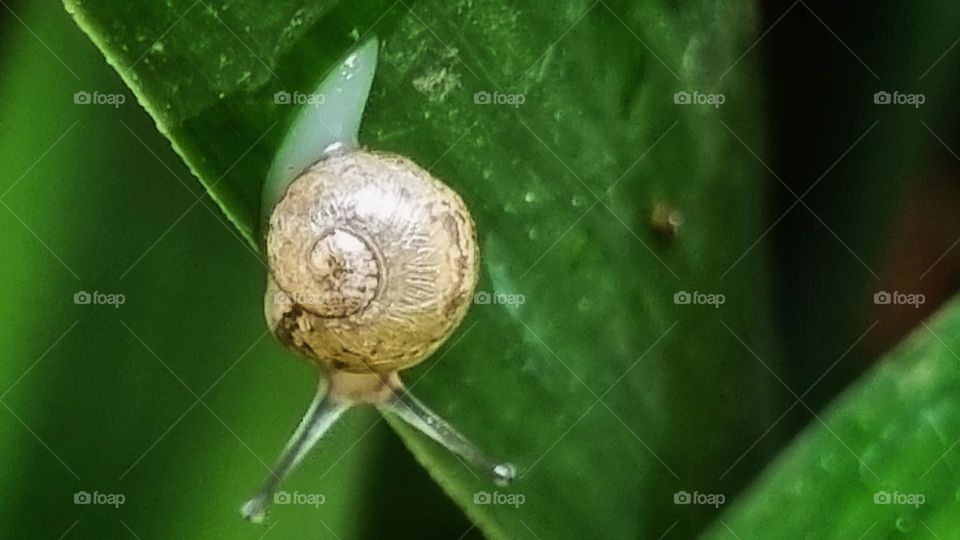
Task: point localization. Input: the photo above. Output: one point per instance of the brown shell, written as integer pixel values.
(373, 263)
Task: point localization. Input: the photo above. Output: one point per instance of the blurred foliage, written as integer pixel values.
(857, 164)
(879, 463)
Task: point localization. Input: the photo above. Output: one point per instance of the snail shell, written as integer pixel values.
(373, 263)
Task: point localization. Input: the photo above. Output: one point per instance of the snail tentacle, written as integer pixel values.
(409, 409)
(325, 409)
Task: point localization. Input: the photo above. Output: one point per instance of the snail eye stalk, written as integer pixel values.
(387, 393)
(409, 409)
(323, 412)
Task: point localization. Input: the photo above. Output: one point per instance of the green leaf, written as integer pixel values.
(598, 317)
(607, 394)
(880, 461)
(207, 73)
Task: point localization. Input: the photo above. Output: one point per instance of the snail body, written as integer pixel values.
(373, 263)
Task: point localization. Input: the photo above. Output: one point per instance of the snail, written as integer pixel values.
(372, 266)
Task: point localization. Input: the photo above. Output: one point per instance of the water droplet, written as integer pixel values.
(906, 523)
(578, 201)
(830, 462)
(530, 197)
(532, 233)
(297, 18)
